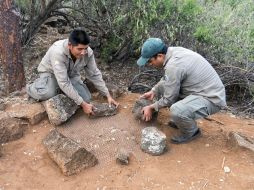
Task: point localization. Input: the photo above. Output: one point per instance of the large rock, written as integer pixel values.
(153, 141)
(68, 155)
(60, 108)
(34, 113)
(103, 109)
(239, 140)
(138, 106)
(11, 128)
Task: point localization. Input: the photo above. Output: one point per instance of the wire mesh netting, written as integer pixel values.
(106, 135)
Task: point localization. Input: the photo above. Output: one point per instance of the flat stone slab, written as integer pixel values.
(153, 141)
(11, 128)
(103, 109)
(34, 113)
(60, 108)
(240, 140)
(138, 106)
(69, 156)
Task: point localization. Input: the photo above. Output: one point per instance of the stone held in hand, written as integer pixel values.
(69, 156)
(104, 109)
(139, 105)
(60, 108)
(153, 141)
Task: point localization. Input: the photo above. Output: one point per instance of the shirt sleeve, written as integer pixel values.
(170, 82)
(60, 72)
(95, 76)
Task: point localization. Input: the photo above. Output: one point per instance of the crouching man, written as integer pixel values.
(190, 87)
(60, 68)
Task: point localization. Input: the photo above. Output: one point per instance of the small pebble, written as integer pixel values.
(226, 169)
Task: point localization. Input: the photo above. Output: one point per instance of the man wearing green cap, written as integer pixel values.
(190, 87)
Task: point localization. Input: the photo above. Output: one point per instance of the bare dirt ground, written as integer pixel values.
(197, 165)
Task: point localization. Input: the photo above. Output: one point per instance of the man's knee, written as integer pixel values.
(42, 88)
(40, 94)
(179, 112)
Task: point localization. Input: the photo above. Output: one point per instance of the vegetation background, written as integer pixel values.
(222, 31)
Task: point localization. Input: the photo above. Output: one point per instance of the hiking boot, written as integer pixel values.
(172, 125)
(185, 138)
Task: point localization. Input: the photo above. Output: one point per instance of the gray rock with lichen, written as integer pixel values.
(122, 156)
(153, 141)
(68, 154)
(139, 105)
(60, 108)
(11, 128)
(103, 109)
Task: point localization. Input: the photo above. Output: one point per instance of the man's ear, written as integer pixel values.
(69, 45)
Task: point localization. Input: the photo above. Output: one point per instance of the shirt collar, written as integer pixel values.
(66, 49)
(168, 56)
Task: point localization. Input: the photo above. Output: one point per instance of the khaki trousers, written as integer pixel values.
(46, 87)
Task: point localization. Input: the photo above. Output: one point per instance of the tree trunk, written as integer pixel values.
(11, 65)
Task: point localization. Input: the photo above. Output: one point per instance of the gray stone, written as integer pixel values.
(153, 141)
(60, 108)
(113, 90)
(2, 105)
(239, 140)
(34, 113)
(103, 109)
(122, 157)
(138, 106)
(69, 156)
(11, 128)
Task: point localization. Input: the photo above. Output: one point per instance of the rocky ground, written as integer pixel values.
(209, 162)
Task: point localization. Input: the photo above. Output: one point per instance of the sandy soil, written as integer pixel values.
(197, 165)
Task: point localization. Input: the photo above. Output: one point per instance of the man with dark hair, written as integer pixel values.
(60, 70)
(190, 87)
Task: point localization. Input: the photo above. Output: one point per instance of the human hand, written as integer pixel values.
(112, 101)
(87, 108)
(147, 113)
(148, 95)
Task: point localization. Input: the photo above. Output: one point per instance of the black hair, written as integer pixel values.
(78, 36)
(163, 51)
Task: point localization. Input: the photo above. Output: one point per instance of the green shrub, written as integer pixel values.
(203, 34)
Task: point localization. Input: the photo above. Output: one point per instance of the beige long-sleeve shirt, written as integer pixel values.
(58, 61)
(188, 73)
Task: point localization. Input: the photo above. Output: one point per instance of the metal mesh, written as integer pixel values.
(104, 136)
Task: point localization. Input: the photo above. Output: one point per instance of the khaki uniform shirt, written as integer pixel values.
(188, 73)
(58, 61)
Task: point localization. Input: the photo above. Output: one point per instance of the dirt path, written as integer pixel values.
(197, 165)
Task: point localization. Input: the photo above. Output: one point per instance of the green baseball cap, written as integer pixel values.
(151, 47)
